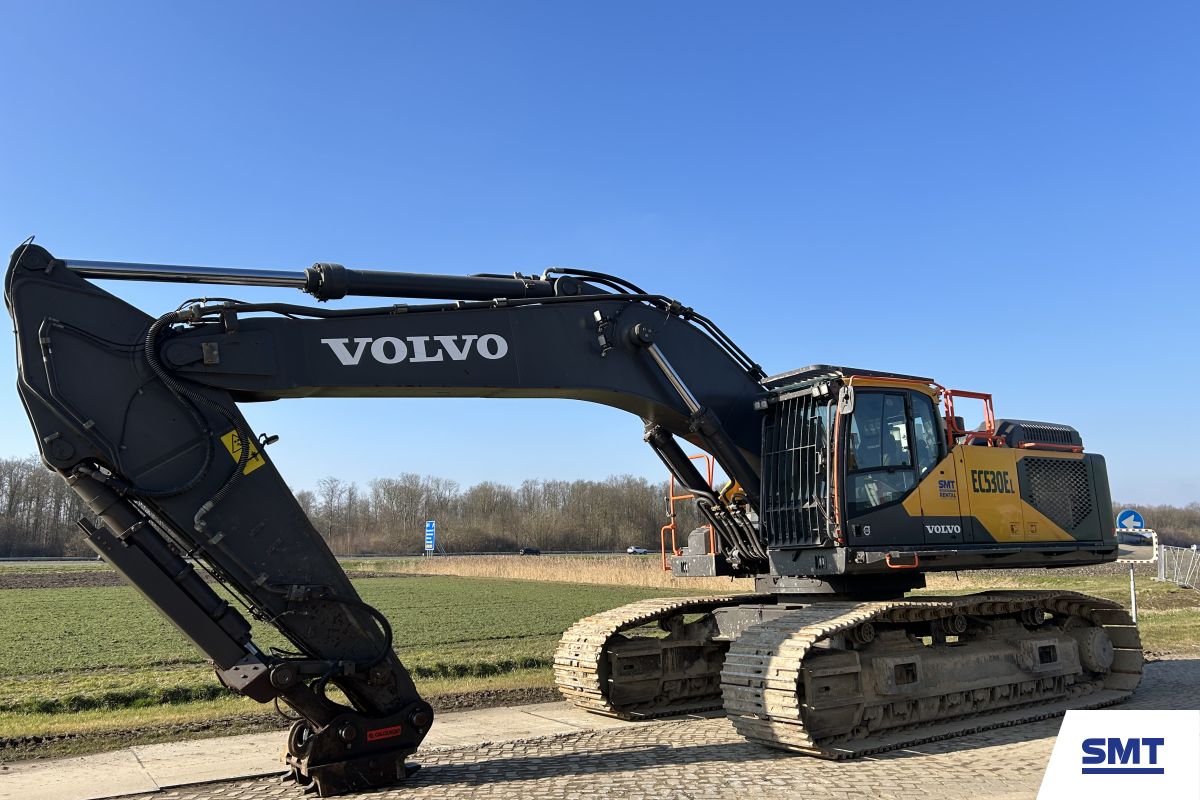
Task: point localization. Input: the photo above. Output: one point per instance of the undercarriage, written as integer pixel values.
(842, 678)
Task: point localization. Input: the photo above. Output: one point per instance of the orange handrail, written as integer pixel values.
(673, 525)
(916, 561)
(989, 419)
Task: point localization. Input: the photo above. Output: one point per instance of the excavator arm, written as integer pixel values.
(139, 415)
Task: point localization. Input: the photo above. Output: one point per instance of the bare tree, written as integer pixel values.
(38, 514)
(330, 492)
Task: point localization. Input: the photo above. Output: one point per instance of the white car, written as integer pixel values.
(637, 551)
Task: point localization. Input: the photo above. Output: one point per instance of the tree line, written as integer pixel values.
(388, 515)
(38, 514)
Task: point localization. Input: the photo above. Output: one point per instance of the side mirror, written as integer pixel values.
(846, 400)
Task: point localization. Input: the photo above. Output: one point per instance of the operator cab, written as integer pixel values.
(865, 459)
(843, 449)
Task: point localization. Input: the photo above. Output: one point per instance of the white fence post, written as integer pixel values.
(1180, 565)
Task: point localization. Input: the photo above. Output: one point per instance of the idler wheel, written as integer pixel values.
(953, 625)
(862, 634)
(1095, 648)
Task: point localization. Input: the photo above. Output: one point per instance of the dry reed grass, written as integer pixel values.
(647, 571)
(607, 570)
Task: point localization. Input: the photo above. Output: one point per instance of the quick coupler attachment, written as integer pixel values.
(355, 753)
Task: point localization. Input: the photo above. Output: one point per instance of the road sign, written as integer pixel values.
(430, 535)
(1130, 520)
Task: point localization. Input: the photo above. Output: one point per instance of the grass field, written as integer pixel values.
(101, 659)
(97, 666)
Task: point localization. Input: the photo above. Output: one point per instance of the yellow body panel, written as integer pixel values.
(985, 487)
(937, 494)
(990, 492)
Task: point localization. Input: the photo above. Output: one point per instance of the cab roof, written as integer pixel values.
(806, 376)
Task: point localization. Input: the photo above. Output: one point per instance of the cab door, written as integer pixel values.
(937, 499)
(880, 476)
(990, 483)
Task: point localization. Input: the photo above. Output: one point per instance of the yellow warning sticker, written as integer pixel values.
(233, 443)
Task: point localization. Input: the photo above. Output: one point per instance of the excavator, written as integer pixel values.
(847, 486)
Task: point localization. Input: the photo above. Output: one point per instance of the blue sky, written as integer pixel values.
(1004, 196)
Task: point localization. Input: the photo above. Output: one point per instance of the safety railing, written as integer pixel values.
(673, 525)
(954, 431)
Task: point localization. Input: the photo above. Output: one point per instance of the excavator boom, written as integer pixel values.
(847, 486)
(139, 415)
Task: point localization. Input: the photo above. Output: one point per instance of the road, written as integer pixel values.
(702, 759)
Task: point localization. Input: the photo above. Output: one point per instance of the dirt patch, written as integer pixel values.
(69, 744)
(66, 744)
(492, 698)
(67, 579)
(1089, 571)
(91, 578)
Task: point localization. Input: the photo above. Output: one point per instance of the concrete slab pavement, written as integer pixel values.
(84, 777)
(148, 768)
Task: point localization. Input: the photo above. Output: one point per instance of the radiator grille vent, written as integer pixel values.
(1049, 434)
(795, 508)
(1060, 489)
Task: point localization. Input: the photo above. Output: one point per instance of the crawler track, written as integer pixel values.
(581, 662)
(764, 681)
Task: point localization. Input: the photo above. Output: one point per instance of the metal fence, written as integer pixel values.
(1179, 565)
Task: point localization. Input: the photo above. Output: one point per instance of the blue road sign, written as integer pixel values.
(1130, 519)
(430, 535)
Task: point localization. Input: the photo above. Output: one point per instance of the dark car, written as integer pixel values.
(530, 551)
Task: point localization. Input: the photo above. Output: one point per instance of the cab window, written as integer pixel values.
(879, 432)
(925, 434)
(879, 454)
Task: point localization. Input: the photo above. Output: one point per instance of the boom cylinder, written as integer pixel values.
(333, 281)
(175, 273)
